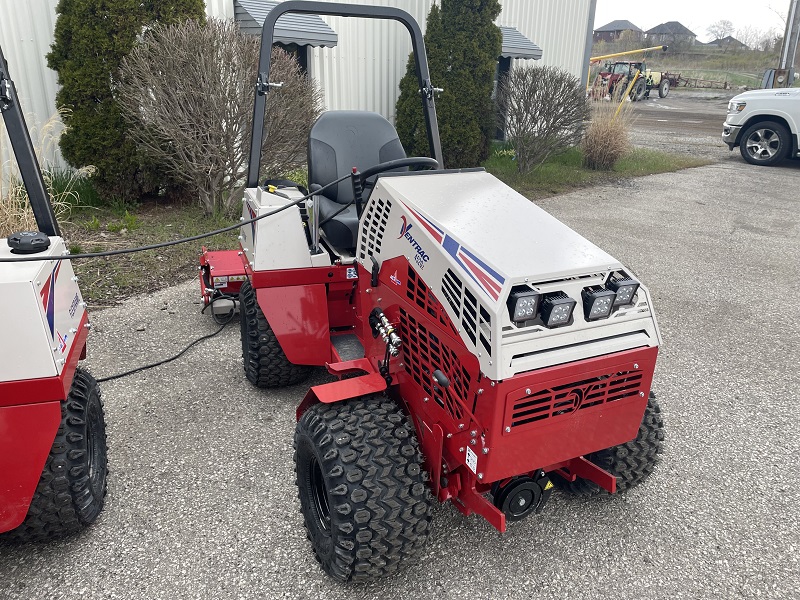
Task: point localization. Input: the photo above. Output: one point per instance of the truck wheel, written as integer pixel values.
(663, 88)
(362, 486)
(765, 143)
(72, 488)
(630, 463)
(265, 363)
(639, 90)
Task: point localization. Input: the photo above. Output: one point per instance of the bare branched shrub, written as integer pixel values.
(543, 110)
(15, 209)
(188, 89)
(607, 137)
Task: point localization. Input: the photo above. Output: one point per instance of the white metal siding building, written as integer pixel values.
(362, 72)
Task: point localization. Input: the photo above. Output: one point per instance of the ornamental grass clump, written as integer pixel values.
(607, 138)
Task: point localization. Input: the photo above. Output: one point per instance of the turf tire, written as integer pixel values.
(72, 488)
(362, 487)
(265, 363)
(630, 463)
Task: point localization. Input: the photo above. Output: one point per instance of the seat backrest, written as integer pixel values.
(343, 139)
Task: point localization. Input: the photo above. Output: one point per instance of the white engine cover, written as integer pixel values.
(280, 238)
(42, 308)
(472, 238)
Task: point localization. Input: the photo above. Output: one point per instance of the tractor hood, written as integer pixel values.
(502, 228)
(474, 241)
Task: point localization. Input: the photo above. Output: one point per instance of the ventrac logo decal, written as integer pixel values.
(489, 280)
(48, 298)
(62, 342)
(421, 257)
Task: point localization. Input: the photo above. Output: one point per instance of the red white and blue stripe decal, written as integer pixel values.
(489, 280)
(48, 298)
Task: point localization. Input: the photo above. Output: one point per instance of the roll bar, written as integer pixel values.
(23, 150)
(263, 83)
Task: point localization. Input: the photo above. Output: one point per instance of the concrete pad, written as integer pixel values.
(202, 502)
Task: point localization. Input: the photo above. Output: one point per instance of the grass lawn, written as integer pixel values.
(565, 173)
(106, 281)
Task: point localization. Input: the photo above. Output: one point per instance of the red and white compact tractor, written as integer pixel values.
(482, 351)
(52, 429)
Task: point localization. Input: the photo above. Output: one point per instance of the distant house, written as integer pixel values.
(670, 32)
(612, 31)
(728, 43)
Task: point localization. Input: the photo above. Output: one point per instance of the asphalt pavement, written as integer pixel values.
(686, 121)
(202, 502)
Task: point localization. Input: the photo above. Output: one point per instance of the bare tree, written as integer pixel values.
(188, 89)
(750, 36)
(720, 29)
(543, 109)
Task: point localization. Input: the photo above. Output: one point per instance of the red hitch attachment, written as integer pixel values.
(221, 273)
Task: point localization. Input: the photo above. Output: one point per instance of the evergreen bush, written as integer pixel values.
(463, 44)
(91, 39)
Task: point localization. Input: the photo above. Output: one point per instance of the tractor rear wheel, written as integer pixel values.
(363, 487)
(630, 463)
(639, 90)
(72, 488)
(265, 363)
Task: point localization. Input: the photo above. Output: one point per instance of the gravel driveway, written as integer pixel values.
(202, 502)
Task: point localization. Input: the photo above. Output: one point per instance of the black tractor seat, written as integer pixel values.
(339, 141)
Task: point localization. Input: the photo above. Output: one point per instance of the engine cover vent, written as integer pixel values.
(423, 353)
(373, 228)
(422, 296)
(561, 401)
(473, 316)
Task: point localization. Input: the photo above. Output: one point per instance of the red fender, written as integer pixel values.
(26, 436)
(298, 315)
(344, 389)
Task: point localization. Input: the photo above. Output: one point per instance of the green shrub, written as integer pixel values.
(91, 38)
(463, 44)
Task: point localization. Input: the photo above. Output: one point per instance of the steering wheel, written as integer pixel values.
(420, 161)
(360, 179)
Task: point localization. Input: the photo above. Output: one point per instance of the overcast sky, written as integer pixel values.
(697, 15)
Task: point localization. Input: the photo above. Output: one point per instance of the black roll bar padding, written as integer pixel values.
(339, 10)
(26, 156)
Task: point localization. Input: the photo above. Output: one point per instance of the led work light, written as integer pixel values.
(597, 302)
(557, 309)
(523, 305)
(625, 288)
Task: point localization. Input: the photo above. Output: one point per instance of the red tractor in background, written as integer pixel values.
(615, 77)
(482, 351)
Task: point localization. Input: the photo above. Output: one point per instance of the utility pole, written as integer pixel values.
(790, 39)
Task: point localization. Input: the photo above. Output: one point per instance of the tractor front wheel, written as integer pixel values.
(630, 463)
(265, 363)
(663, 88)
(72, 488)
(362, 486)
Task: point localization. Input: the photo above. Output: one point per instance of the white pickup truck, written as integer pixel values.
(765, 124)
